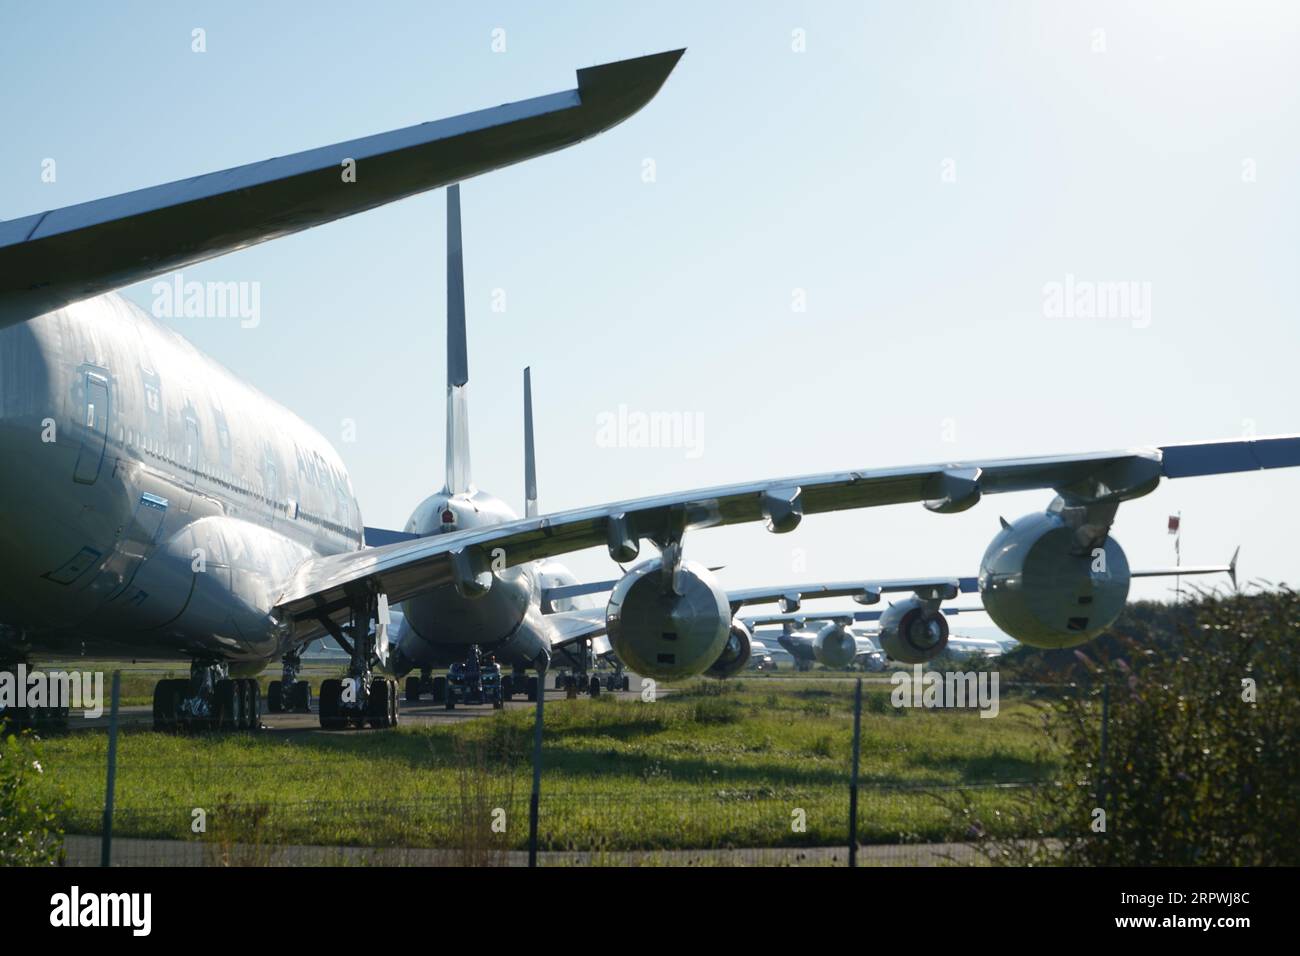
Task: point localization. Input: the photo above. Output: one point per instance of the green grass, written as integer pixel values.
(709, 766)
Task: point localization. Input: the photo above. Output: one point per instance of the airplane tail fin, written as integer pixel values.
(458, 473)
(530, 456)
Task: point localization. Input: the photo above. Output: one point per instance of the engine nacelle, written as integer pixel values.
(834, 646)
(1039, 589)
(668, 635)
(735, 653)
(912, 633)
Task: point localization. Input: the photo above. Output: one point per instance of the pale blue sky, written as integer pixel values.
(776, 171)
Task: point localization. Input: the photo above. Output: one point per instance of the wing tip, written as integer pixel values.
(627, 85)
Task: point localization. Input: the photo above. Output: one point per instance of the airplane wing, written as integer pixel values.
(51, 259)
(325, 585)
(791, 595)
(844, 617)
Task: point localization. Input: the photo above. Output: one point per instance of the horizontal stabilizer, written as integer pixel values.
(378, 537)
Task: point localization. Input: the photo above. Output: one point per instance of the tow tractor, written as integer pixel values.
(476, 681)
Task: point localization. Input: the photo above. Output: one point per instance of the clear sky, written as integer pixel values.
(917, 175)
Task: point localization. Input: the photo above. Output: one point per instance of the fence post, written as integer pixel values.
(853, 786)
(537, 769)
(1105, 745)
(106, 849)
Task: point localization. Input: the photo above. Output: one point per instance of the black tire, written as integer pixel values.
(378, 704)
(507, 686)
(395, 707)
(225, 705)
(275, 697)
(300, 697)
(532, 689)
(440, 690)
(412, 690)
(593, 688)
(449, 703)
(254, 716)
(165, 699)
(627, 683)
(244, 697)
(331, 699)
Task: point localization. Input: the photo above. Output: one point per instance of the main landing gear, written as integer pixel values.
(519, 682)
(426, 683)
(208, 700)
(361, 699)
(289, 694)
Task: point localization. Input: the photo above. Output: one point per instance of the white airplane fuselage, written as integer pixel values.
(155, 503)
(438, 627)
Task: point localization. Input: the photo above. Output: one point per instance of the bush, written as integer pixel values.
(30, 830)
(1202, 744)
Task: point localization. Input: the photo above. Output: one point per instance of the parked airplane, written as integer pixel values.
(157, 506)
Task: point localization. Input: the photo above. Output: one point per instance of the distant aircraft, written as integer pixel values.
(156, 506)
(829, 637)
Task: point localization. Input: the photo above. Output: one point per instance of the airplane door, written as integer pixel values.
(94, 418)
(142, 536)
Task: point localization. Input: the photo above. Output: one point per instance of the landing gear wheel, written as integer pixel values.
(166, 698)
(300, 697)
(594, 687)
(331, 700)
(383, 696)
(507, 687)
(245, 696)
(412, 690)
(254, 715)
(440, 690)
(533, 685)
(627, 683)
(275, 697)
(394, 706)
(227, 709)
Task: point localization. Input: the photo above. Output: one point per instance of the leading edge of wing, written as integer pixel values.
(407, 568)
(50, 259)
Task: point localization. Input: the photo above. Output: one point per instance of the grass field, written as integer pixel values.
(739, 764)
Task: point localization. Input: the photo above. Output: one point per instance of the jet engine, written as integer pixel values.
(735, 653)
(834, 646)
(668, 632)
(1045, 589)
(913, 632)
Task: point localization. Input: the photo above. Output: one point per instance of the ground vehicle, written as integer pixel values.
(476, 681)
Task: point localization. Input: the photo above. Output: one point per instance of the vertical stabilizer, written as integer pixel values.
(530, 458)
(458, 473)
